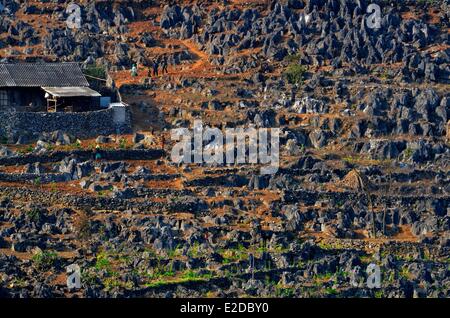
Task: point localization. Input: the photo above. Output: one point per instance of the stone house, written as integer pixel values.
(51, 87)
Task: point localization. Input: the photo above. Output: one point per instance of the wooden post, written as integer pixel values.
(448, 131)
(52, 108)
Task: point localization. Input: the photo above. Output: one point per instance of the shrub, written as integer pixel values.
(76, 145)
(102, 262)
(37, 181)
(26, 150)
(293, 58)
(44, 260)
(95, 71)
(123, 143)
(408, 153)
(295, 73)
(34, 214)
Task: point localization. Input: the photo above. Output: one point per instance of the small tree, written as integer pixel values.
(295, 73)
(95, 71)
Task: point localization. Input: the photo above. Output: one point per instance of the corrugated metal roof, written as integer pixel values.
(42, 74)
(5, 78)
(71, 91)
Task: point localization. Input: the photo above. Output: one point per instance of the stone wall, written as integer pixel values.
(83, 155)
(80, 125)
(35, 177)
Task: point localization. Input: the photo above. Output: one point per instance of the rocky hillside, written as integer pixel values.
(363, 104)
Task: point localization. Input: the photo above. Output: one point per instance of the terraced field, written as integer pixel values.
(363, 177)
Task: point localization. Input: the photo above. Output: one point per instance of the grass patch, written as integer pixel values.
(103, 262)
(171, 277)
(28, 149)
(331, 291)
(44, 260)
(284, 292)
(404, 272)
(195, 250)
(232, 255)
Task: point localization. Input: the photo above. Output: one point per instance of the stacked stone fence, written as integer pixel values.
(79, 124)
(83, 155)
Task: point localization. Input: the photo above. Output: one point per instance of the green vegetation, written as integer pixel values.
(293, 58)
(332, 246)
(284, 292)
(95, 71)
(233, 255)
(323, 277)
(366, 259)
(351, 159)
(384, 75)
(26, 150)
(76, 145)
(408, 152)
(331, 291)
(114, 281)
(44, 260)
(190, 275)
(295, 73)
(53, 187)
(104, 271)
(172, 278)
(34, 214)
(195, 250)
(103, 262)
(89, 278)
(171, 254)
(268, 281)
(19, 282)
(156, 283)
(37, 181)
(231, 271)
(342, 273)
(161, 271)
(379, 294)
(123, 143)
(403, 257)
(404, 272)
(391, 277)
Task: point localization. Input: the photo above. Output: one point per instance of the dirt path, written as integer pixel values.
(200, 68)
(203, 62)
